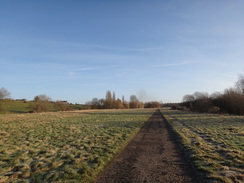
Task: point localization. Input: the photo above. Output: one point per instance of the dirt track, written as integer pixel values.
(152, 156)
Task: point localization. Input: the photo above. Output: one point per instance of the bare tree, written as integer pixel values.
(4, 96)
(123, 99)
(200, 95)
(188, 98)
(125, 103)
(188, 101)
(42, 97)
(232, 102)
(108, 100)
(240, 84)
(42, 103)
(97, 103)
(114, 96)
(4, 93)
(133, 98)
(108, 96)
(199, 101)
(215, 95)
(135, 103)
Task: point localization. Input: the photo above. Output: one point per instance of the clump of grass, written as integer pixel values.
(4, 134)
(241, 133)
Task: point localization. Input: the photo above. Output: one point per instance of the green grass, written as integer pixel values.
(64, 146)
(214, 143)
(19, 106)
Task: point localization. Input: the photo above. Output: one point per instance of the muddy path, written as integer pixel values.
(152, 156)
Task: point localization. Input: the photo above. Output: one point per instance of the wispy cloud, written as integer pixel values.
(86, 69)
(75, 44)
(80, 70)
(140, 49)
(172, 64)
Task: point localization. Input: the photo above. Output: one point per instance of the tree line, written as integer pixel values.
(44, 103)
(41, 103)
(111, 102)
(230, 101)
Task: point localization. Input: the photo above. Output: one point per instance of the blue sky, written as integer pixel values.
(158, 49)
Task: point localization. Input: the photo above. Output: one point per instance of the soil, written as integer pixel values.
(153, 155)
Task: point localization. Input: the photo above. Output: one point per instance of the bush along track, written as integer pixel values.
(64, 146)
(213, 143)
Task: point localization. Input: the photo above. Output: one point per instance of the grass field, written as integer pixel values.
(21, 106)
(214, 143)
(74, 146)
(63, 146)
